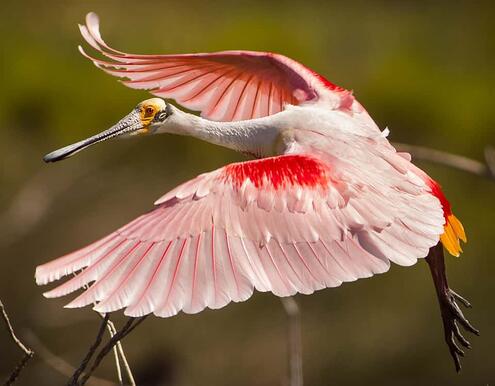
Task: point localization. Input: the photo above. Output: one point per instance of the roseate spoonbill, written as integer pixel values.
(326, 200)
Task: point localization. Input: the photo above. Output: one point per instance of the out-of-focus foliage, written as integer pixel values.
(425, 70)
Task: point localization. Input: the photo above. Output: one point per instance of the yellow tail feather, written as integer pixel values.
(454, 231)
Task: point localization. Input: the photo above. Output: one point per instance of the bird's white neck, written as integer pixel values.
(256, 136)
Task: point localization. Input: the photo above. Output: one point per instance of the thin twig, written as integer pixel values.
(131, 324)
(28, 353)
(455, 161)
(57, 363)
(13, 376)
(75, 377)
(490, 159)
(111, 331)
(127, 368)
(128, 371)
(119, 351)
(16, 340)
(295, 341)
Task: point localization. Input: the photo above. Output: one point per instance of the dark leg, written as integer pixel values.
(451, 313)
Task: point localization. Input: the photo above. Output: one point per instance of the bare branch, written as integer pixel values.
(15, 373)
(16, 340)
(92, 349)
(127, 368)
(490, 159)
(453, 160)
(57, 363)
(111, 331)
(119, 351)
(131, 324)
(295, 341)
(28, 353)
(130, 376)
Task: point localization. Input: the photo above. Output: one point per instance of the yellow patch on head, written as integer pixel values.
(148, 110)
(453, 234)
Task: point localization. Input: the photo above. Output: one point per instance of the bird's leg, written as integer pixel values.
(450, 311)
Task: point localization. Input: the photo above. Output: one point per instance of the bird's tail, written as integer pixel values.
(453, 230)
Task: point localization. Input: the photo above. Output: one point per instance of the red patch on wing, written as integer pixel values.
(326, 82)
(436, 190)
(279, 172)
(346, 97)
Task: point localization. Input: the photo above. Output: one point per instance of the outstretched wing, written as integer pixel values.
(224, 86)
(286, 224)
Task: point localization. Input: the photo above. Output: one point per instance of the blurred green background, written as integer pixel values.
(424, 69)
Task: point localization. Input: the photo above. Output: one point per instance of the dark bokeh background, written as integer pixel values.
(425, 70)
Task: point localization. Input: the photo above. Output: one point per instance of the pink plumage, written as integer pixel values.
(329, 200)
(214, 239)
(335, 203)
(224, 86)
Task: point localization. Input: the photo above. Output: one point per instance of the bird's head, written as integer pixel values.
(146, 118)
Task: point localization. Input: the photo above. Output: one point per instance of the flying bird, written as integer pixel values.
(325, 199)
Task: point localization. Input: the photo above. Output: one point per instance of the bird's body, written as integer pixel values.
(327, 199)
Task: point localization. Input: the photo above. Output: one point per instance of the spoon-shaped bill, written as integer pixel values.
(127, 125)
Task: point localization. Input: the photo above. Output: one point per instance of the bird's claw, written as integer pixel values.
(460, 298)
(451, 315)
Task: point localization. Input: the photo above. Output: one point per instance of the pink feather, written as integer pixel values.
(206, 245)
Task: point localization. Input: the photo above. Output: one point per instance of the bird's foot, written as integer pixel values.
(450, 310)
(451, 317)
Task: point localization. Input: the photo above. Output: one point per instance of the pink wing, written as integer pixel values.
(287, 224)
(224, 86)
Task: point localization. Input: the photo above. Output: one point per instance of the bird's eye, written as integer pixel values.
(149, 110)
(162, 116)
